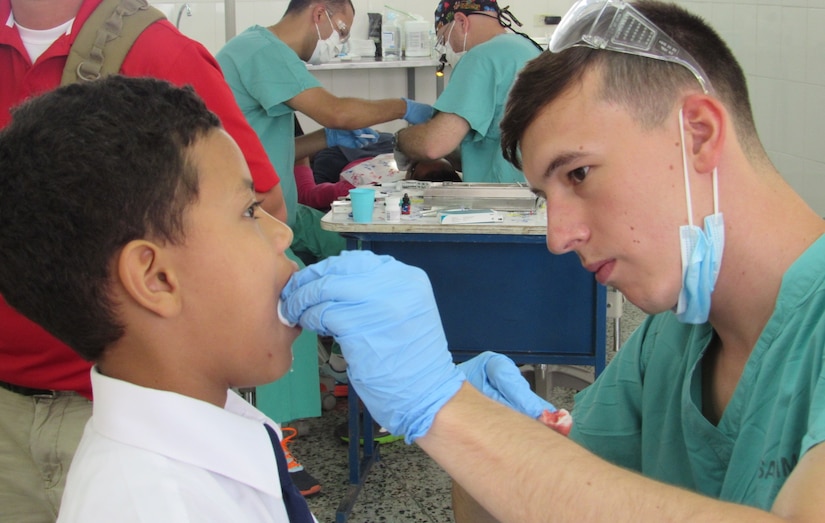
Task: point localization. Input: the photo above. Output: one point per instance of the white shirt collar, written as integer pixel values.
(69, 23)
(229, 441)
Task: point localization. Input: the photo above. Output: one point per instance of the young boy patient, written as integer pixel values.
(129, 230)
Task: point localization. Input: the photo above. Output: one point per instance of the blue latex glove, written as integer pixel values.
(383, 314)
(417, 112)
(353, 139)
(498, 378)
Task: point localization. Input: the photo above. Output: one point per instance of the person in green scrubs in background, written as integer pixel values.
(477, 40)
(266, 68)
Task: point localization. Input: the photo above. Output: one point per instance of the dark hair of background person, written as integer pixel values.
(439, 170)
(333, 6)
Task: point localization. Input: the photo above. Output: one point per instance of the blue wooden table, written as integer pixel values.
(497, 288)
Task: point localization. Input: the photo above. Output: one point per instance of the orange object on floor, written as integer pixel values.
(307, 485)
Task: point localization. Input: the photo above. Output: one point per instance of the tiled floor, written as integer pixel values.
(405, 485)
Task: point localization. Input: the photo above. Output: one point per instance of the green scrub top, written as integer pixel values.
(477, 91)
(644, 411)
(264, 73)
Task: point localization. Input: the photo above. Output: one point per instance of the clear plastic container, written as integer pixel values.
(390, 37)
(393, 207)
(417, 38)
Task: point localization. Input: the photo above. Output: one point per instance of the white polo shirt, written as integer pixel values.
(154, 456)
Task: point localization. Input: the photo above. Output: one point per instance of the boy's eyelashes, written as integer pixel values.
(250, 211)
(578, 175)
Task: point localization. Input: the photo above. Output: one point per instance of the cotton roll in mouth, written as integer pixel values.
(281, 315)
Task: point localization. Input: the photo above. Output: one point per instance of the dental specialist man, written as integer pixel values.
(266, 69)
(635, 127)
(477, 39)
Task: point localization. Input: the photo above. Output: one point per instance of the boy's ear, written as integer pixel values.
(706, 121)
(149, 277)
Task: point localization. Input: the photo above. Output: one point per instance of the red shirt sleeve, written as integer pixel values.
(162, 52)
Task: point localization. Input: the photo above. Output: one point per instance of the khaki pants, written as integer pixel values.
(38, 437)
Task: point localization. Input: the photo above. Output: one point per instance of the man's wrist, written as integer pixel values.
(401, 159)
(396, 140)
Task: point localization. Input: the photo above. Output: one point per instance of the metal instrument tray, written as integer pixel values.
(499, 196)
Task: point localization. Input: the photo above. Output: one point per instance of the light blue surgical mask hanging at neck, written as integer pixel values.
(326, 50)
(701, 252)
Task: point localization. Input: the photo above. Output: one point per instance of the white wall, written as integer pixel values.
(780, 44)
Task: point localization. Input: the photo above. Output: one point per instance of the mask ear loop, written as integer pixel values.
(450, 32)
(685, 169)
(687, 180)
(715, 190)
(331, 25)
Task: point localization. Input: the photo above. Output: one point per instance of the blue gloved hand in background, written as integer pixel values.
(355, 139)
(417, 112)
(498, 378)
(383, 314)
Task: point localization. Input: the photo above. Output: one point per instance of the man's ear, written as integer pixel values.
(706, 121)
(462, 20)
(149, 277)
(318, 12)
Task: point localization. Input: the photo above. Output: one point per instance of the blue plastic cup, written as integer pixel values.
(363, 203)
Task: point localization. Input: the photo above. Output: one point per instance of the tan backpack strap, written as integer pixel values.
(106, 37)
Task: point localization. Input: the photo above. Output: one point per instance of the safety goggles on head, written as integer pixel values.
(615, 25)
(340, 27)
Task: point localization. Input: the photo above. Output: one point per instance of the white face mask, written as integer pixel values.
(326, 50)
(452, 56)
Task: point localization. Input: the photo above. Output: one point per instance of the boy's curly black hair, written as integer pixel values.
(84, 170)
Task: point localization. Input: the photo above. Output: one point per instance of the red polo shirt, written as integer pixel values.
(29, 356)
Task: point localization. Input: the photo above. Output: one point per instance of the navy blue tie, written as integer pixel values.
(296, 505)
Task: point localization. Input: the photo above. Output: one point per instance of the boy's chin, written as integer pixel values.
(273, 372)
